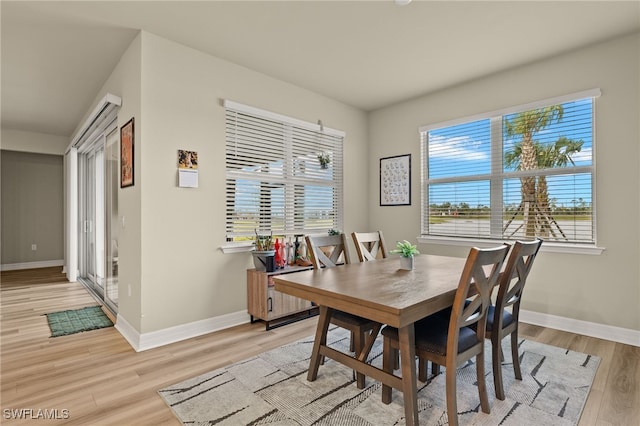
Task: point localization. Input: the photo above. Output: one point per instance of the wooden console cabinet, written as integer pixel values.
(271, 306)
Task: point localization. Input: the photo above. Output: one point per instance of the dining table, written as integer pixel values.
(383, 292)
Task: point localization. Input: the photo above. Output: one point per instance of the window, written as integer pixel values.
(283, 176)
(513, 174)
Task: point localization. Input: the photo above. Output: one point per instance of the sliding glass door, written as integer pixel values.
(111, 217)
(93, 226)
(98, 240)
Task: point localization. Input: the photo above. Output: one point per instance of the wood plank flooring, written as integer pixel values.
(96, 378)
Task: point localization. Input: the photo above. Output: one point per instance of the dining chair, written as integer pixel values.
(328, 251)
(502, 323)
(448, 337)
(370, 245)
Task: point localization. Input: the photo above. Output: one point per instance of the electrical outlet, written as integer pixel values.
(34, 247)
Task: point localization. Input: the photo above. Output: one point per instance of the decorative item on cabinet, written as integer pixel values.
(264, 254)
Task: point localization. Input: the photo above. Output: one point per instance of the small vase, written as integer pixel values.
(406, 263)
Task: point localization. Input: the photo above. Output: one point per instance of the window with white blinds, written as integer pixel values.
(275, 180)
(519, 173)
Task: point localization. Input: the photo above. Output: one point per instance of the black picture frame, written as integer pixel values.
(395, 180)
(127, 150)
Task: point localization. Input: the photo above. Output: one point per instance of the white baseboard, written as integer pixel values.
(31, 265)
(601, 331)
(154, 339)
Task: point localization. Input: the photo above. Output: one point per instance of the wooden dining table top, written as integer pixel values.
(379, 290)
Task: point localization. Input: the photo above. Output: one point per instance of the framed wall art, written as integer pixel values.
(126, 154)
(395, 180)
(187, 169)
(187, 159)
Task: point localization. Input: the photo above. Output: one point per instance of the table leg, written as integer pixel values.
(408, 364)
(369, 341)
(320, 340)
(370, 338)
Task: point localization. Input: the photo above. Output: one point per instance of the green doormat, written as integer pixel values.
(78, 320)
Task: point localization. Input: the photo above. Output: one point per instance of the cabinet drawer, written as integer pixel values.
(280, 304)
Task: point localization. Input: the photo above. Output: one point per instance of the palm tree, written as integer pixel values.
(529, 154)
(556, 155)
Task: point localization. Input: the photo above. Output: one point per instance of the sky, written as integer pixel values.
(465, 150)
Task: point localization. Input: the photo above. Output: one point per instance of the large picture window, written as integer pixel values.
(515, 174)
(283, 176)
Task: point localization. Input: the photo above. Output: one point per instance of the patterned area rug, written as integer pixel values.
(272, 388)
(74, 321)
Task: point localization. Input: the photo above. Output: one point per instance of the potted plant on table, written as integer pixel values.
(264, 253)
(406, 250)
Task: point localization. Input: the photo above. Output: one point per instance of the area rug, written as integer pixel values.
(272, 388)
(74, 321)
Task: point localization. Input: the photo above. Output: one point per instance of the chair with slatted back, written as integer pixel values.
(328, 252)
(369, 245)
(502, 323)
(453, 336)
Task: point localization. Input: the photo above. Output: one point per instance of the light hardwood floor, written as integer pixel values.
(99, 380)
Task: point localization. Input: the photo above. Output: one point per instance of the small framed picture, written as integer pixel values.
(395, 180)
(187, 159)
(126, 154)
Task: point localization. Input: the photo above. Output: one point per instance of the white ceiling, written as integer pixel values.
(368, 54)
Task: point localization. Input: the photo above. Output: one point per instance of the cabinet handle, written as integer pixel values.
(269, 304)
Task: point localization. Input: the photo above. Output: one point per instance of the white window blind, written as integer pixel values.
(274, 179)
(514, 174)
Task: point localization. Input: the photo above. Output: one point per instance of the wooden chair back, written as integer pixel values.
(370, 245)
(473, 297)
(327, 250)
(451, 339)
(513, 279)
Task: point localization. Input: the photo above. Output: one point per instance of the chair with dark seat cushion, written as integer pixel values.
(370, 245)
(328, 252)
(502, 323)
(448, 337)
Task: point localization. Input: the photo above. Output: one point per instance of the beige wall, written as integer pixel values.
(41, 143)
(32, 207)
(602, 289)
(21, 193)
(169, 247)
(125, 82)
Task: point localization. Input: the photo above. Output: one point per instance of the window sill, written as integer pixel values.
(239, 247)
(547, 247)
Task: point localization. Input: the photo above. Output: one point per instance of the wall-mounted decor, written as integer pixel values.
(187, 159)
(187, 169)
(395, 180)
(324, 158)
(126, 154)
